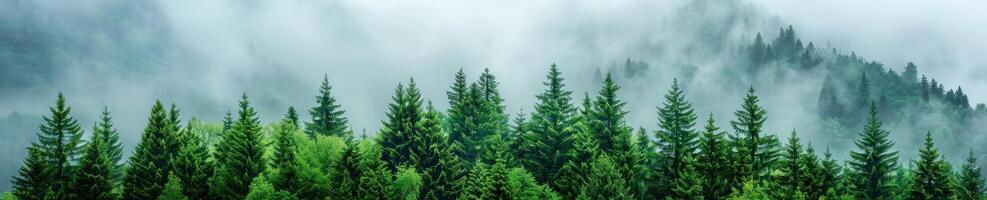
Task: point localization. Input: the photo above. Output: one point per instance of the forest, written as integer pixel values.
(564, 149)
(725, 77)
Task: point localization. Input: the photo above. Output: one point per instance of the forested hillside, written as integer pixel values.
(568, 147)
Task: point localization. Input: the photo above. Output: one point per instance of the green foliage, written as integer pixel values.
(434, 158)
(191, 164)
(150, 163)
(33, 178)
(92, 180)
(688, 183)
(544, 148)
(407, 185)
(172, 190)
(327, 116)
(713, 162)
(260, 189)
(750, 191)
(114, 147)
(401, 127)
(756, 152)
(60, 144)
(873, 162)
(522, 185)
(285, 161)
(676, 137)
(931, 179)
(240, 156)
(604, 182)
(971, 183)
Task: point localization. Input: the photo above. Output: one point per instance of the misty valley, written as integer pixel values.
(712, 100)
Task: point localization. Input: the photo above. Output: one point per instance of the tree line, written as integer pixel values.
(564, 149)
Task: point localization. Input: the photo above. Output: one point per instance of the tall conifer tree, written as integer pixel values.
(971, 182)
(756, 152)
(873, 161)
(93, 178)
(240, 155)
(149, 165)
(191, 165)
(713, 162)
(60, 141)
(400, 128)
(114, 148)
(327, 116)
(544, 149)
(931, 179)
(676, 137)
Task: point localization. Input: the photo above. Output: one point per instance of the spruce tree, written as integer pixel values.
(863, 92)
(873, 161)
(375, 179)
(676, 137)
(795, 175)
(239, 155)
(713, 162)
(93, 178)
(33, 178)
(291, 117)
(400, 128)
(149, 165)
(544, 148)
(604, 182)
(463, 116)
(756, 152)
(931, 179)
(260, 189)
(190, 165)
(688, 183)
(440, 168)
(829, 175)
(327, 116)
(173, 190)
(345, 175)
(971, 182)
(114, 148)
(286, 178)
(407, 185)
(60, 142)
(613, 136)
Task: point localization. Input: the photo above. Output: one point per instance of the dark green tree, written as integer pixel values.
(435, 158)
(604, 182)
(713, 162)
(971, 182)
(756, 152)
(688, 184)
(32, 181)
(150, 162)
(291, 117)
(60, 142)
(795, 176)
(873, 161)
(285, 161)
(327, 116)
(191, 164)
(400, 128)
(931, 179)
(345, 175)
(114, 148)
(172, 190)
(463, 117)
(676, 137)
(93, 178)
(239, 156)
(544, 148)
(613, 136)
(375, 179)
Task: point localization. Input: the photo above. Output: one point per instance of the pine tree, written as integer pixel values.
(604, 182)
(374, 176)
(863, 92)
(676, 137)
(327, 116)
(440, 168)
(463, 115)
(794, 170)
(606, 122)
(829, 175)
(172, 190)
(481, 184)
(60, 142)
(931, 179)
(33, 178)
(401, 126)
(544, 148)
(114, 148)
(239, 156)
(260, 189)
(713, 162)
(149, 164)
(874, 161)
(828, 105)
(574, 175)
(756, 152)
(492, 125)
(815, 187)
(345, 176)
(190, 165)
(93, 178)
(688, 183)
(971, 182)
(291, 117)
(407, 185)
(285, 160)
(522, 185)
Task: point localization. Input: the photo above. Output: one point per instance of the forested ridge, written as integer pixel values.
(569, 147)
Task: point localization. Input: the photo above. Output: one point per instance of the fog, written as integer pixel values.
(202, 55)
